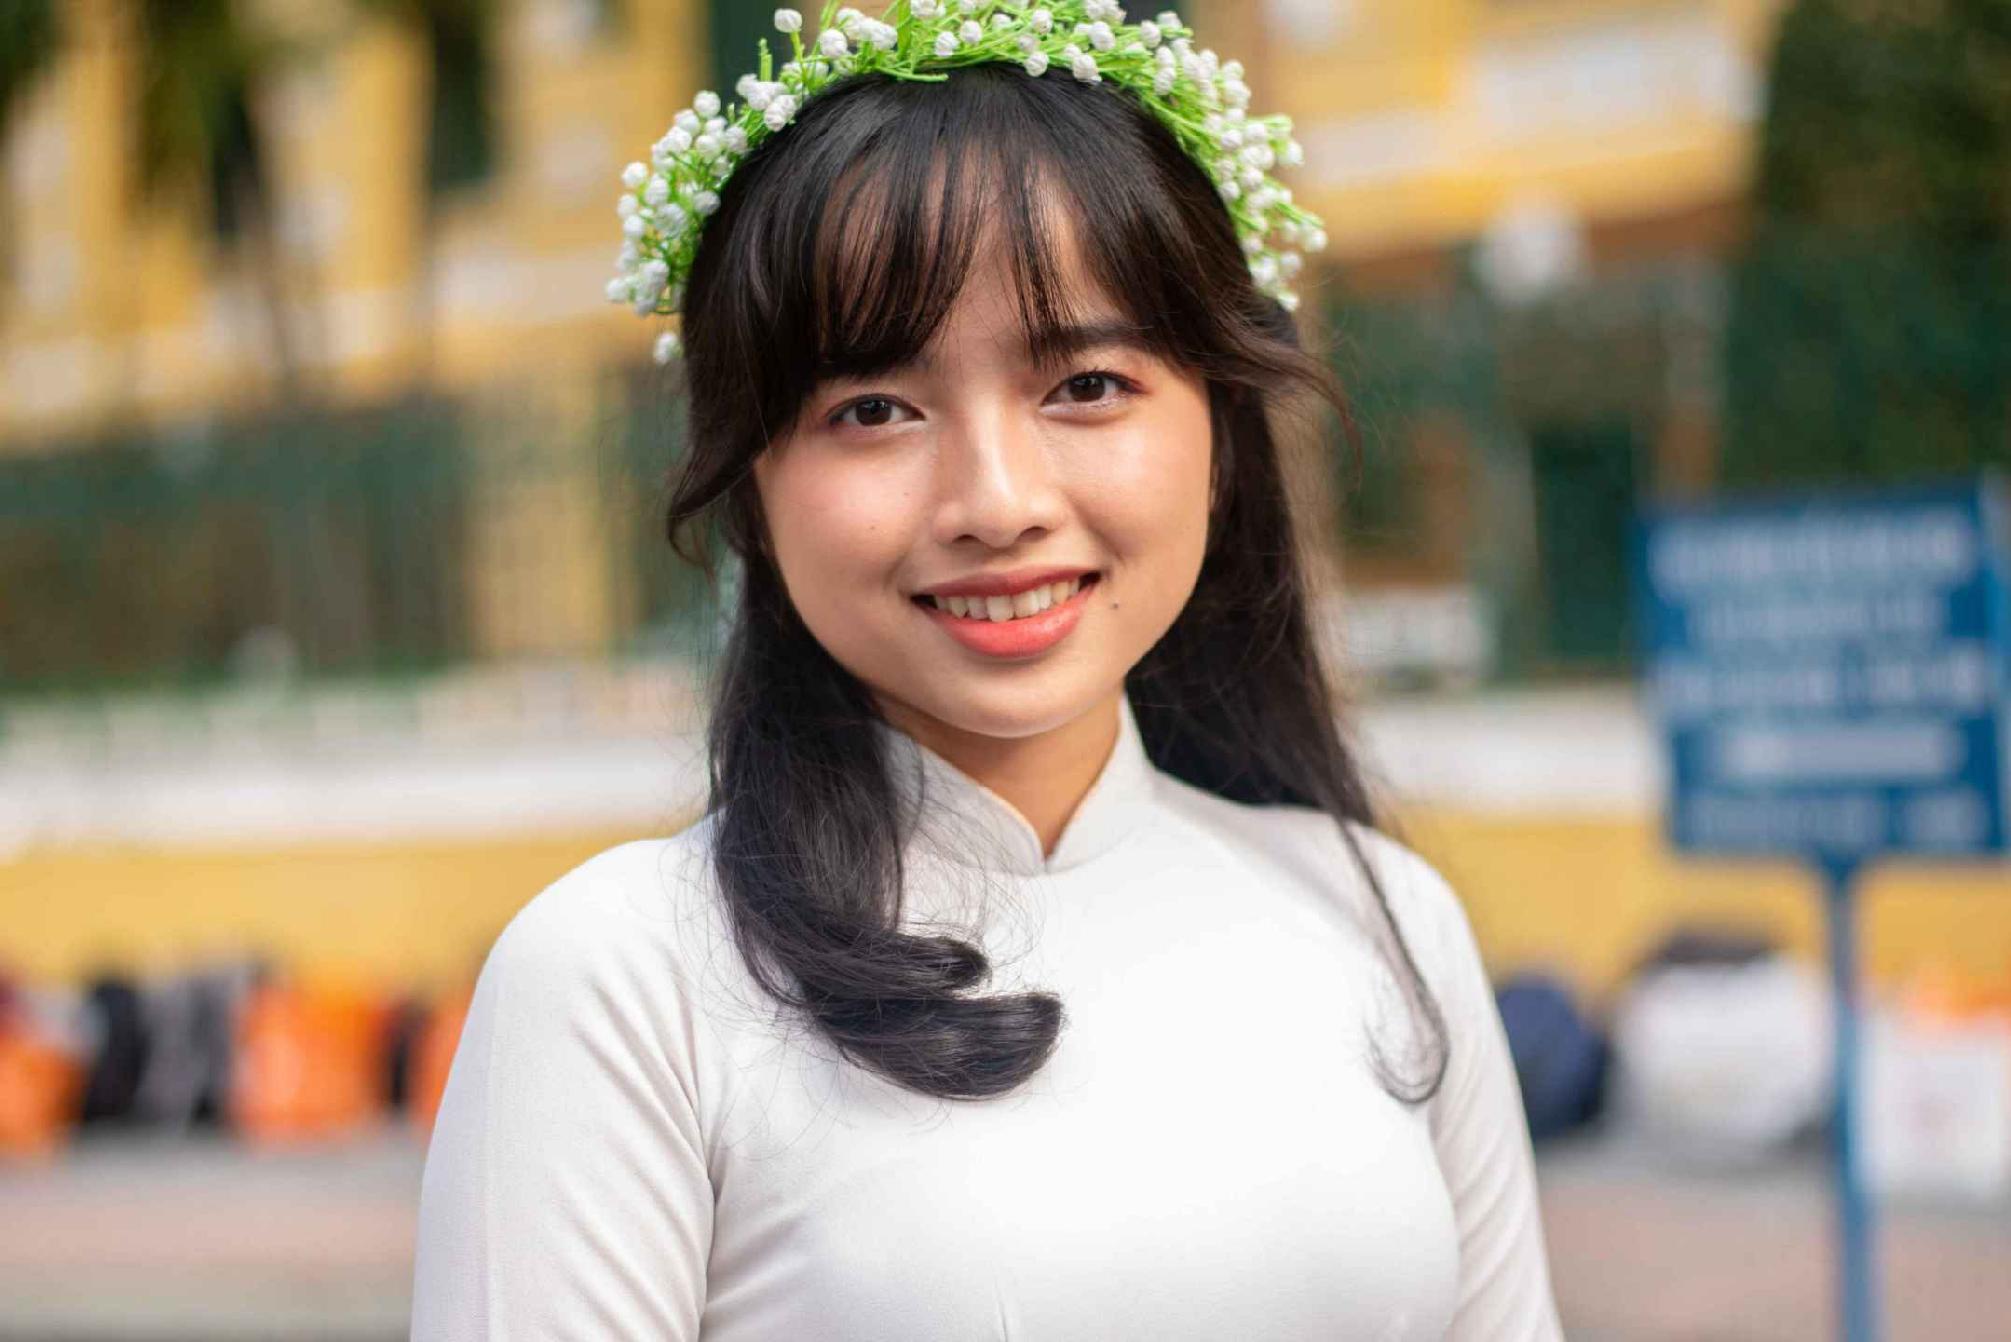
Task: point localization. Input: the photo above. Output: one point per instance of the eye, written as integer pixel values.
(1096, 387)
(874, 412)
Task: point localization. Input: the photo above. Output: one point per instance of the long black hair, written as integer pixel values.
(842, 244)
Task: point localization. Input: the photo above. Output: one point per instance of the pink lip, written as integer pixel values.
(1025, 637)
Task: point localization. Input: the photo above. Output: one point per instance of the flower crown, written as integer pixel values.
(1201, 98)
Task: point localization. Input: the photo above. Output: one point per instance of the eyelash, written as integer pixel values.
(1125, 388)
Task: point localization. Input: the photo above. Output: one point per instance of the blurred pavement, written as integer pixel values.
(198, 1238)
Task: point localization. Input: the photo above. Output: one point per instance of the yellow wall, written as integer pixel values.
(1586, 897)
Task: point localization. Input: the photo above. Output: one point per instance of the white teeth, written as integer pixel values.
(1016, 607)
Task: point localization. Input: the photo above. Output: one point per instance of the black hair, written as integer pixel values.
(842, 244)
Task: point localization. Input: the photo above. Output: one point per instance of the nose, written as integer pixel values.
(995, 480)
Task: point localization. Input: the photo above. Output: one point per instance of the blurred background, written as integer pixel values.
(335, 620)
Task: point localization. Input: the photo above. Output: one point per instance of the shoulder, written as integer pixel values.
(624, 924)
(1307, 846)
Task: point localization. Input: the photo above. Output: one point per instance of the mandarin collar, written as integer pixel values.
(965, 822)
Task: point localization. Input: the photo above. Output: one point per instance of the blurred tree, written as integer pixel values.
(1870, 326)
(30, 35)
(459, 36)
(459, 39)
(200, 64)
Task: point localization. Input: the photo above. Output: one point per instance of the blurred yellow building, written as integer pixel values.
(1565, 130)
(1597, 148)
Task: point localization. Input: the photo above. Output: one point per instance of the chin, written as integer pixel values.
(1005, 708)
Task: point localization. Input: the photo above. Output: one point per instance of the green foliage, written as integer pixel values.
(29, 36)
(1870, 330)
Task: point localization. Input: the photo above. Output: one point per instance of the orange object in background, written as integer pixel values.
(434, 1056)
(309, 1062)
(40, 1086)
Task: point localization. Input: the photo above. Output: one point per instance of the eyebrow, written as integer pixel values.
(1048, 346)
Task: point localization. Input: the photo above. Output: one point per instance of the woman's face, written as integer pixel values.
(975, 466)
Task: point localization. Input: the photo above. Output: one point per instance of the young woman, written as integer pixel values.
(1037, 970)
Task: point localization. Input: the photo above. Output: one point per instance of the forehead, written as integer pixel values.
(971, 254)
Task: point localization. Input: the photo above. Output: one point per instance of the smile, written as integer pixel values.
(1018, 606)
(1021, 625)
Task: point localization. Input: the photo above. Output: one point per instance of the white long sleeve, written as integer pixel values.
(635, 1144)
(1479, 1132)
(565, 1193)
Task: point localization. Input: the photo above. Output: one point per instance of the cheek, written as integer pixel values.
(1148, 493)
(834, 525)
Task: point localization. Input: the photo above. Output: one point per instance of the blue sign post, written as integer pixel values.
(1831, 674)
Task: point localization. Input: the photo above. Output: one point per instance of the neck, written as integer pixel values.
(1044, 777)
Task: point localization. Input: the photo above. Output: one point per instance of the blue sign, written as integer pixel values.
(1831, 672)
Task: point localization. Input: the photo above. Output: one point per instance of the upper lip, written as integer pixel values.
(1009, 583)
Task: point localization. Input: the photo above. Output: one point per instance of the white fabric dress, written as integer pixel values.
(636, 1144)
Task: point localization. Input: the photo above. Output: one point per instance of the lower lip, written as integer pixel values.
(1026, 637)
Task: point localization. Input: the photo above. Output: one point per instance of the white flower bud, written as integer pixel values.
(617, 290)
(644, 304)
(760, 95)
(705, 202)
(627, 205)
(1264, 270)
(666, 348)
(788, 21)
(971, 32)
(1148, 33)
(706, 145)
(707, 103)
(1235, 116)
(745, 86)
(1162, 83)
(688, 122)
(848, 18)
(778, 112)
(1229, 190)
(1168, 19)
(1028, 43)
(1041, 21)
(1036, 63)
(1084, 68)
(946, 44)
(883, 35)
(1101, 37)
(1252, 244)
(1251, 178)
(736, 139)
(1231, 138)
(1291, 263)
(634, 175)
(832, 43)
(1294, 155)
(714, 125)
(1236, 93)
(633, 226)
(1316, 239)
(926, 9)
(658, 193)
(1288, 301)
